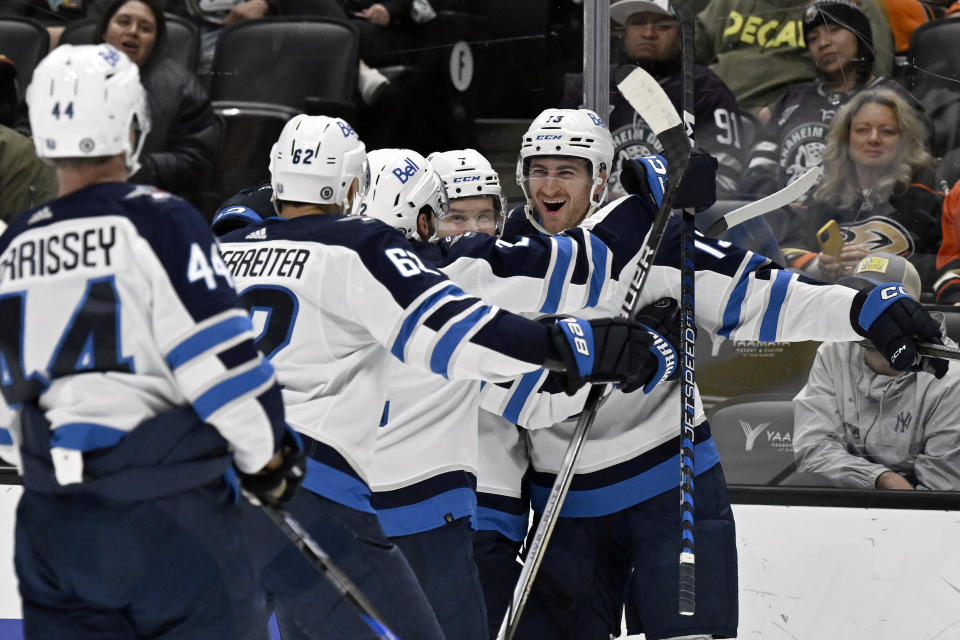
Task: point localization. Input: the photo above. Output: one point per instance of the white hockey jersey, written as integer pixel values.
(424, 471)
(632, 453)
(116, 309)
(333, 299)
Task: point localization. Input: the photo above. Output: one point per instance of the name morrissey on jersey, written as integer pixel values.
(52, 253)
(266, 261)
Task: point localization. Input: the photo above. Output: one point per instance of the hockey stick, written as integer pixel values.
(769, 203)
(938, 351)
(688, 333)
(317, 557)
(647, 98)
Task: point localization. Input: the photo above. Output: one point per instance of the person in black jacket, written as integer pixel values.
(650, 38)
(183, 133)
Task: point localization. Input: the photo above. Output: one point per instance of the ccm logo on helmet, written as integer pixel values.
(549, 137)
(578, 341)
(466, 179)
(893, 291)
(407, 171)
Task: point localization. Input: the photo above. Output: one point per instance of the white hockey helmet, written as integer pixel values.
(402, 183)
(577, 133)
(316, 159)
(86, 101)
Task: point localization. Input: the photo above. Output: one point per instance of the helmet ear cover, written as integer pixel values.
(86, 101)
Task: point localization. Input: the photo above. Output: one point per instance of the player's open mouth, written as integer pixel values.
(554, 206)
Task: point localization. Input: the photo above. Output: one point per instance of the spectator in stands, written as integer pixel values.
(947, 285)
(650, 38)
(25, 180)
(878, 185)
(906, 15)
(757, 47)
(183, 129)
(862, 424)
(840, 43)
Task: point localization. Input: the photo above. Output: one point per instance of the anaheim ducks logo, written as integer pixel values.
(631, 141)
(879, 234)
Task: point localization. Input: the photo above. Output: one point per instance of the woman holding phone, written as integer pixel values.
(879, 188)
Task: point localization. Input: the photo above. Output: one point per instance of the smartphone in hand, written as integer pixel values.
(831, 239)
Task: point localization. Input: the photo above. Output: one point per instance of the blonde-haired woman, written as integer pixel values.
(878, 185)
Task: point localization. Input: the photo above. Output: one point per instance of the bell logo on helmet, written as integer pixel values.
(406, 172)
(110, 55)
(596, 120)
(346, 129)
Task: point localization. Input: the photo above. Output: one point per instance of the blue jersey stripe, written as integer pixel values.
(232, 388)
(411, 321)
(599, 275)
(731, 314)
(85, 436)
(559, 274)
(338, 486)
(6, 438)
(432, 513)
(443, 350)
(511, 525)
(593, 503)
(207, 339)
(771, 317)
(526, 386)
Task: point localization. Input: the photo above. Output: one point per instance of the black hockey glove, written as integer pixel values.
(277, 486)
(605, 350)
(892, 320)
(646, 177)
(662, 320)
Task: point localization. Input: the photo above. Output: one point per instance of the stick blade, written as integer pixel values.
(648, 99)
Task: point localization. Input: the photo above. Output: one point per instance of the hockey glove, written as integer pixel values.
(646, 177)
(662, 320)
(892, 320)
(276, 486)
(600, 351)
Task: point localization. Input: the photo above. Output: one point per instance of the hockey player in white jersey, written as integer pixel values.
(426, 506)
(621, 510)
(131, 384)
(335, 297)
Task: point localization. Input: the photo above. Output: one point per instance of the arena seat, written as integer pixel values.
(754, 435)
(519, 62)
(183, 38)
(25, 42)
(304, 63)
(248, 132)
(936, 78)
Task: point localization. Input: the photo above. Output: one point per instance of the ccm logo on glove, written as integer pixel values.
(893, 291)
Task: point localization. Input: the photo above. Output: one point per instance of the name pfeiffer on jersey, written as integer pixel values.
(266, 261)
(51, 254)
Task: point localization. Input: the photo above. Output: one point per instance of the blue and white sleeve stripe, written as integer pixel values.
(559, 274)
(416, 313)
(215, 334)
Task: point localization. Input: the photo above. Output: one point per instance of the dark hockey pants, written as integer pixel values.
(176, 567)
(307, 606)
